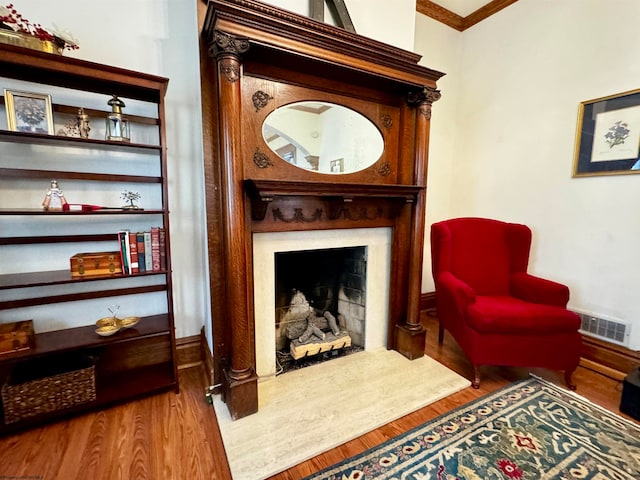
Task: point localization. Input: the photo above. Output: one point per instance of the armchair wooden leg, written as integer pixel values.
(440, 334)
(567, 379)
(476, 377)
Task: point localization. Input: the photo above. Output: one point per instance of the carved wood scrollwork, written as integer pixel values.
(261, 159)
(260, 99)
(361, 214)
(224, 42)
(230, 69)
(227, 48)
(424, 99)
(298, 216)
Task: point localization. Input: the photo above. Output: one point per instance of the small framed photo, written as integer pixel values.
(608, 136)
(29, 112)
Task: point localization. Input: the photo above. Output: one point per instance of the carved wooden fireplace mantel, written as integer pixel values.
(255, 60)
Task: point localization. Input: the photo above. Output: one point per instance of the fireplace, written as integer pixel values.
(266, 59)
(366, 318)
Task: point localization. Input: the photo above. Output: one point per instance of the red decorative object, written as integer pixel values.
(497, 312)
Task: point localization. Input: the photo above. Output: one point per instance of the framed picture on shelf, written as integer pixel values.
(29, 112)
(608, 136)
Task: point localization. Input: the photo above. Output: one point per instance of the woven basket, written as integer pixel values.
(48, 394)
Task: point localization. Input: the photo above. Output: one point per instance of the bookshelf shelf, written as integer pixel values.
(60, 277)
(86, 143)
(59, 174)
(40, 212)
(136, 361)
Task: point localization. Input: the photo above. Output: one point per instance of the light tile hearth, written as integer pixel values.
(308, 411)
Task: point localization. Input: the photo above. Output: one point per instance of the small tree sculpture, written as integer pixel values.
(130, 197)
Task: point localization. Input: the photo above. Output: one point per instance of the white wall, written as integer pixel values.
(382, 20)
(522, 74)
(440, 47)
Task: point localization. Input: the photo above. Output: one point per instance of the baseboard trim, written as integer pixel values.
(607, 358)
(207, 360)
(427, 301)
(188, 352)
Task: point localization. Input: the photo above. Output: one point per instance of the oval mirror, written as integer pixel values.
(323, 137)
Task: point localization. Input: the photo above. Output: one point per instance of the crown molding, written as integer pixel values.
(455, 21)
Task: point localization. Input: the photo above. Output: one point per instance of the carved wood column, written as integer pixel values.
(240, 387)
(411, 334)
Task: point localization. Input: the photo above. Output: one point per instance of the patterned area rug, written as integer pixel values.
(529, 430)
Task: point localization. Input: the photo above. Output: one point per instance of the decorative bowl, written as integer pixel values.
(128, 322)
(107, 330)
(106, 321)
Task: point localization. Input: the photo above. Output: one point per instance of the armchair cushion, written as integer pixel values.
(511, 316)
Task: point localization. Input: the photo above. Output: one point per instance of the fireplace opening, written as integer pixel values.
(320, 300)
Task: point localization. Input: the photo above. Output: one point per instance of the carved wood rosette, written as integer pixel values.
(387, 121)
(261, 159)
(260, 99)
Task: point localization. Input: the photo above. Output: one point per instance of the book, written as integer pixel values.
(155, 248)
(148, 264)
(142, 266)
(133, 252)
(123, 242)
(163, 247)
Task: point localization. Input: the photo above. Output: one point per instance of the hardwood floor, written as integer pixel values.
(162, 437)
(170, 436)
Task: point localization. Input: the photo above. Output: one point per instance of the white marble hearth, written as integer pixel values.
(308, 411)
(265, 245)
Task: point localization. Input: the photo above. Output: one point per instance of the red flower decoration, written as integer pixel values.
(509, 468)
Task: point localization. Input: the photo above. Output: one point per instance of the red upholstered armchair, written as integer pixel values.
(495, 310)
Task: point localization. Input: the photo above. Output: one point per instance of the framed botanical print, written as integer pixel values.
(29, 112)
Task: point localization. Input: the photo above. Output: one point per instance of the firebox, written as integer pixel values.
(320, 305)
(342, 274)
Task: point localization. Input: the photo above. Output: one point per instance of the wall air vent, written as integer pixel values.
(608, 329)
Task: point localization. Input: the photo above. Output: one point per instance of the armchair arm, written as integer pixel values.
(539, 290)
(456, 293)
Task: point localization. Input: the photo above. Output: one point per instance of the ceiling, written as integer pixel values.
(462, 7)
(461, 14)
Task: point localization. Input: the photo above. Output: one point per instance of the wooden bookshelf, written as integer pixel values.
(133, 362)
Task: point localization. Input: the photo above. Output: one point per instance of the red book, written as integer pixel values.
(155, 249)
(163, 249)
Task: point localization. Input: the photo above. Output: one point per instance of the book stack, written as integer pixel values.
(143, 252)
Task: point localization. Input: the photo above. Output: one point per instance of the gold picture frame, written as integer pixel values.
(608, 136)
(29, 112)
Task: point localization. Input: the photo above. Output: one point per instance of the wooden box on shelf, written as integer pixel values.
(95, 263)
(16, 336)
